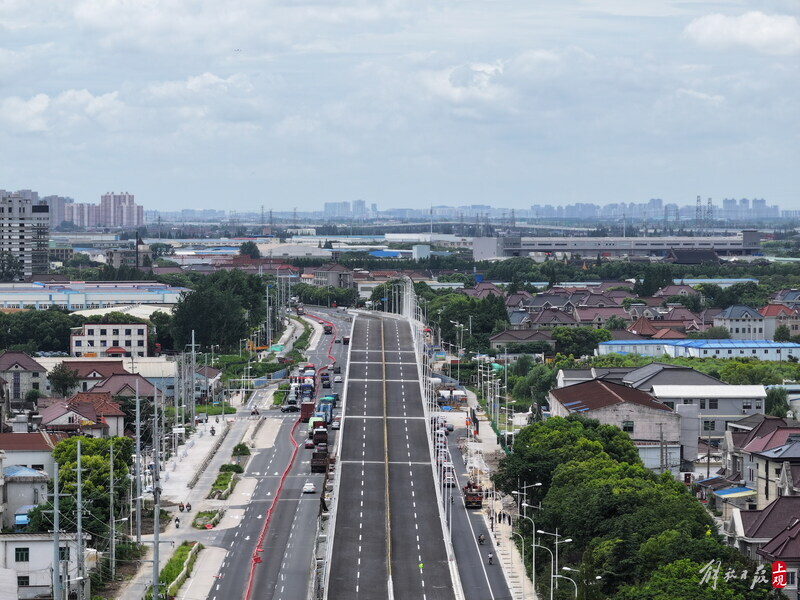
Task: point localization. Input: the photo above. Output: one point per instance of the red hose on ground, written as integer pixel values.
(256, 558)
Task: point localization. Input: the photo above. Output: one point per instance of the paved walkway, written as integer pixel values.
(200, 454)
(481, 454)
(196, 455)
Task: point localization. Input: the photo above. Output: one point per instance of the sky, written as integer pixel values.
(289, 104)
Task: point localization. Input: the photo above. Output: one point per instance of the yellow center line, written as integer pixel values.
(386, 464)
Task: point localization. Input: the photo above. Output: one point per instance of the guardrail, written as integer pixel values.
(223, 434)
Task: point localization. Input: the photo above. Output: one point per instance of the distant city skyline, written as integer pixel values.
(509, 103)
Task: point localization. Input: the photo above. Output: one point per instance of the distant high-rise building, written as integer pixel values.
(120, 210)
(25, 231)
(57, 206)
(359, 209)
(337, 210)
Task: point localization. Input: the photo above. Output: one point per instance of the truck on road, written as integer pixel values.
(328, 329)
(346, 340)
(306, 411)
(319, 462)
(320, 435)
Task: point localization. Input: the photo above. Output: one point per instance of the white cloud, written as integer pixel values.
(199, 85)
(475, 82)
(711, 99)
(770, 34)
(43, 113)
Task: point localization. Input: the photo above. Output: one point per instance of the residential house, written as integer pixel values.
(333, 275)
(600, 301)
(30, 555)
(208, 383)
(565, 302)
(640, 378)
(73, 419)
(682, 256)
(517, 336)
(785, 547)
(749, 530)
(112, 339)
(743, 322)
(519, 301)
(23, 490)
(34, 450)
(654, 427)
(552, 317)
(597, 317)
(20, 374)
(92, 372)
(776, 315)
(105, 408)
(482, 290)
(126, 385)
(675, 290)
(718, 404)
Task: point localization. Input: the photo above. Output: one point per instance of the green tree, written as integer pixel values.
(717, 332)
(63, 379)
(249, 248)
(10, 267)
(615, 322)
(579, 341)
(160, 249)
(782, 334)
(777, 403)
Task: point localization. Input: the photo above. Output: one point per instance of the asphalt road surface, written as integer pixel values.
(287, 548)
(388, 530)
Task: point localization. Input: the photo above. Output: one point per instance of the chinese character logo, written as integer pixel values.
(779, 574)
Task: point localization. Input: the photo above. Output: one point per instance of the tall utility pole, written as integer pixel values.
(138, 467)
(79, 520)
(111, 509)
(192, 381)
(698, 215)
(56, 538)
(156, 500)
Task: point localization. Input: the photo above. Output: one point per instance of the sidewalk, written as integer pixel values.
(176, 475)
(482, 452)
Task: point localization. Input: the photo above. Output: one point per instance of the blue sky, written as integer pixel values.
(231, 105)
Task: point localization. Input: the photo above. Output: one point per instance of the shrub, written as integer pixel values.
(230, 468)
(241, 450)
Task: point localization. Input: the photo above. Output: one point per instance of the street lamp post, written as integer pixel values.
(524, 575)
(557, 542)
(557, 577)
(114, 545)
(551, 566)
(533, 551)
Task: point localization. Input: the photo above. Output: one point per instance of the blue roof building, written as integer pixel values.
(761, 349)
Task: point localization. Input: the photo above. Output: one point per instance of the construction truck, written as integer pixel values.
(346, 340)
(328, 329)
(320, 435)
(473, 495)
(306, 411)
(319, 462)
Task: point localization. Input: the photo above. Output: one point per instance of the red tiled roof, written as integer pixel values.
(776, 310)
(10, 358)
(118, 383)
(773, 439)
(786, 545)
(669, 334)
(597, 393)
(96, 369)
(103, 405)
(643, 326)
(40, 441)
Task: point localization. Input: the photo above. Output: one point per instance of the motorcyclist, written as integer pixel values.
(481, 539)
(491, 556)
(178, 524)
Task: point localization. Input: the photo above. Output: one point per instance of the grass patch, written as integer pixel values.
(231, 468)
(217, 409)
(204, 517)
(222, 481)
